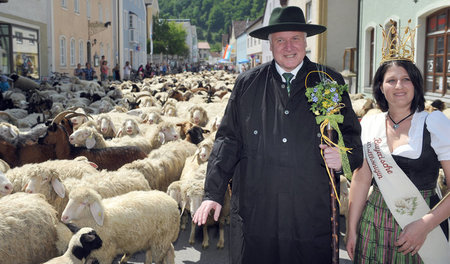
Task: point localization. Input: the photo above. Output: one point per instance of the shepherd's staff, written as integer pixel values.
(326, 104)
(334, 210)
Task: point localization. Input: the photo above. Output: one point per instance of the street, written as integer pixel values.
(189, 254)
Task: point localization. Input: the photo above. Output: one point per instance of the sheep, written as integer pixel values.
(110, 158)
(191, 133)
(198, 115)
(55, 185)
(163, 165)
(5, 185)
(216, 123)
(78, 120)
(82, 243)
(88, 137)
(152, 117)
(200, 156)
(129, 127)
(138, 220)
(24, 154)
(106, 126)
(9, 133)
(27, 228)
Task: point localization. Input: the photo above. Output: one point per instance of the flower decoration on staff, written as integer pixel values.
(325, 99)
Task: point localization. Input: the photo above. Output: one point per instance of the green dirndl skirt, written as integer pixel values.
(378, 231)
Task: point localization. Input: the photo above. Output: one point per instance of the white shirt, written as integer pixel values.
(294, 71)
(437, 124)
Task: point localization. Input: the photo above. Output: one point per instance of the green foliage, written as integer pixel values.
(169, 38)
(212, 17)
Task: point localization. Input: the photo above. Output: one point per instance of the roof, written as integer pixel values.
(240, 26)
(203, 45)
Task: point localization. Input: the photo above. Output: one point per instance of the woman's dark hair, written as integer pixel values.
(418, 102)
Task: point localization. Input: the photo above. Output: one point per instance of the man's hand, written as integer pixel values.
(332, 157)
(201, 215)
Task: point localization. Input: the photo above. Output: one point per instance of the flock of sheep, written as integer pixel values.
(125, 161)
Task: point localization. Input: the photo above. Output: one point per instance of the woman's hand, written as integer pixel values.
(412, 237)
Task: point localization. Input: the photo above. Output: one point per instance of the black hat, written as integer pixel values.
(288, 18)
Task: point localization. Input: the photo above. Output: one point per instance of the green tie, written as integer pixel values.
(288, 76)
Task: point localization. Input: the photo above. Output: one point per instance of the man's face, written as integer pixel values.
(288, 48)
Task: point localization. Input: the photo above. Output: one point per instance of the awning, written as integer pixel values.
(243, 61)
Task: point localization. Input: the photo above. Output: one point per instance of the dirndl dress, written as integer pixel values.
(378, 230)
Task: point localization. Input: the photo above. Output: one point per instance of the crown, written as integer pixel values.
(396, 47)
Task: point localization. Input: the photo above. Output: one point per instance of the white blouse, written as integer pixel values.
(437, 124)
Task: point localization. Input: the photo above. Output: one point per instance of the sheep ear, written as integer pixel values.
(12, 132)
(59, 188)
(162, 137)
(183, 206)
(119, 133)
(90, 142)
(97, 213)
(114, 129)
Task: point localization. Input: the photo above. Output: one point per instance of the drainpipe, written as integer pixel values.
(357, 47)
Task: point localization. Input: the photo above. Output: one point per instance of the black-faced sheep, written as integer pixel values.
(139, 220)
(82, 243)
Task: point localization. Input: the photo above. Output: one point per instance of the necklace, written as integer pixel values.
(396, 124)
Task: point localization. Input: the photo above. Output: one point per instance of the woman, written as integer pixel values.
(78, 71)
(104, 70)
(403, 149)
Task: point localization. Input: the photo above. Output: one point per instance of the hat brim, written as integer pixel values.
(310, 29)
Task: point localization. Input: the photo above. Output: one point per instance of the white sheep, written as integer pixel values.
(139, 220)
(198, 115)
(151, 117)
(78, 120)
(55, 186)
(9, 133)
(200, 156)
(163, 165)
(5, 185)
(129, 127)
(106, 126)
(82, 243)
(27, 229)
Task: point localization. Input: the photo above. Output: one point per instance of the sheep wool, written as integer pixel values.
(27, 229)
(138, 220)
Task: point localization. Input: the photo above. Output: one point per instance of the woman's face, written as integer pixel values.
(397, 87)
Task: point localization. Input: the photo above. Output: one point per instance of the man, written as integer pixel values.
(89, 72)
(269, 144)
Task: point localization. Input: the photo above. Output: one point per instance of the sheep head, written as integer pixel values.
(83, 242)
(83, 203)
(5, 185)
(83, 136)
(40, 177)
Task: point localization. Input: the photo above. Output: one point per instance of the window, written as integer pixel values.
(64, 3)
(88, 8)
(100, 12)
(437, 56)
(81, 52)
(32, 39)
(72, 52)
(308, 12)
(62, 51)
(132, 25)
(76, 6)
(19, 37)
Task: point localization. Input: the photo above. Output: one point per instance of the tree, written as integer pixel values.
(169, 38)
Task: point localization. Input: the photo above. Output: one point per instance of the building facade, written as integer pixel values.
(25, 37)
(432, 41)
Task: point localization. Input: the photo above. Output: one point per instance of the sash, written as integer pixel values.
(401, 196)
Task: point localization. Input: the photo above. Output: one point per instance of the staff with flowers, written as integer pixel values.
(269, 143)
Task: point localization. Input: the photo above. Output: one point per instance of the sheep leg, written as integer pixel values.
(192, 235)
(148, 257)
(170, 255)
(184, 220)
(205, 243)
(221, 242)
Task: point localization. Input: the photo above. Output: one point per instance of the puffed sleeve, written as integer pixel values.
(439, 126)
